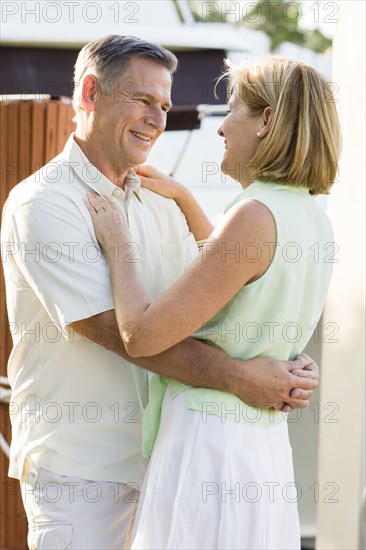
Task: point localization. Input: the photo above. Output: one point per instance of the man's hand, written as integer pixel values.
(281, 385)
(261, 382)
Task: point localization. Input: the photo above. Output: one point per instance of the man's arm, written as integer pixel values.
(261, 382)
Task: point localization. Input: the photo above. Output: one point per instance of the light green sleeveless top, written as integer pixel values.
(274, 316)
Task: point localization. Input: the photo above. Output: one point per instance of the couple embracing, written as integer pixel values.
(133, 373)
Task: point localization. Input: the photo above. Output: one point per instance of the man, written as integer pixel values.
(77, 399)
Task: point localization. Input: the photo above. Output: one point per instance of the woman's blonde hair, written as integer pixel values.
(303, 144)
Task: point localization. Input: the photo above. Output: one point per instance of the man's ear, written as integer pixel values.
(268, 115)
(89, 93)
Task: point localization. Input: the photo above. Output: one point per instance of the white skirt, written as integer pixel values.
(215, 485)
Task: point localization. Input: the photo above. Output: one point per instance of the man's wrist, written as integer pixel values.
(235, 374)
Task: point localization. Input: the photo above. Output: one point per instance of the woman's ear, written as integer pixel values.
(267, 119)
(89, 94)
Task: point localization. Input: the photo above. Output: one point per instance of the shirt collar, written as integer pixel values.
(92, 177)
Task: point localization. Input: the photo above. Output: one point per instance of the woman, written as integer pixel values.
(221, 475)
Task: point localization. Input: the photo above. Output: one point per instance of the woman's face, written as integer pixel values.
(239, 130)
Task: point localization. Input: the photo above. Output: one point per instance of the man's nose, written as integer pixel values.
(157, 118)
(220, 132)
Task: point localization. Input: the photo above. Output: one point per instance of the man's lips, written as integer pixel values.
(143, 137)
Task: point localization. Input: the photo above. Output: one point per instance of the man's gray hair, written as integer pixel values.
(107, 59)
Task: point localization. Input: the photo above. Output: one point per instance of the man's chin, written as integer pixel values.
(139, 159)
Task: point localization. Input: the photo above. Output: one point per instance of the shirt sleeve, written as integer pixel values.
(60, 258)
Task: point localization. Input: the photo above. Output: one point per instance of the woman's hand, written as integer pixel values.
(110, 222)
(160, 183)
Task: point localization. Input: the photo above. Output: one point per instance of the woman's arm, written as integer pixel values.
(160, 183)
(149, 328)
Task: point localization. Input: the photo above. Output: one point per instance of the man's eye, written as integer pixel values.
(143, 100)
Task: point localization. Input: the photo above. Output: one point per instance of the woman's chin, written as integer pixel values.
(224, 167)
(229, 170)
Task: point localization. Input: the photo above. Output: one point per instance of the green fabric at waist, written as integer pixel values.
(207, 401)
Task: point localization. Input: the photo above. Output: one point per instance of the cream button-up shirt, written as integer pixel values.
(76, 408)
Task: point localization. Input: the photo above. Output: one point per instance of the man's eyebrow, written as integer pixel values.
(168, 104)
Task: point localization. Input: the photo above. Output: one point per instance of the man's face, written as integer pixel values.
(128, 122)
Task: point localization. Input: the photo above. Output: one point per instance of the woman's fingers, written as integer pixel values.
(151, 178)
(110, 221)
(148, 183)
(142, 170)
(298, 403)
(310, 364)
(91, 208)
(99, 202)
(298, 393)
(91, 201)
(309, 374)
(147, 171)
(305, 382)
(95, 201)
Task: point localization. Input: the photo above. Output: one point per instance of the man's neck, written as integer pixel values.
(109, 168)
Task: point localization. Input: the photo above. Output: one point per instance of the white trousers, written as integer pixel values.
(69, 512)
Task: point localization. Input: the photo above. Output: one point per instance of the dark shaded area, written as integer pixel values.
(307, 543)
(50, 71)
(195, 80)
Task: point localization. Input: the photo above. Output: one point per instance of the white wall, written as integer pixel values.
(78, 22)
(342, 444)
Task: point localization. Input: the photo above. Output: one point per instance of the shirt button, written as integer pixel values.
(117, 192)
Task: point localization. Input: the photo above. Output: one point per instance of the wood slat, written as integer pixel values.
(24, 131)
(63, 122)
(12, 157)
(4, 511)
(71, 124)
(31, 133)
(51, 131)
(11, 505)
(3, 196)
(3, 151)
(38, 135)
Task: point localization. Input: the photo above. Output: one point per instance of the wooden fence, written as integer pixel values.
(32, 132)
